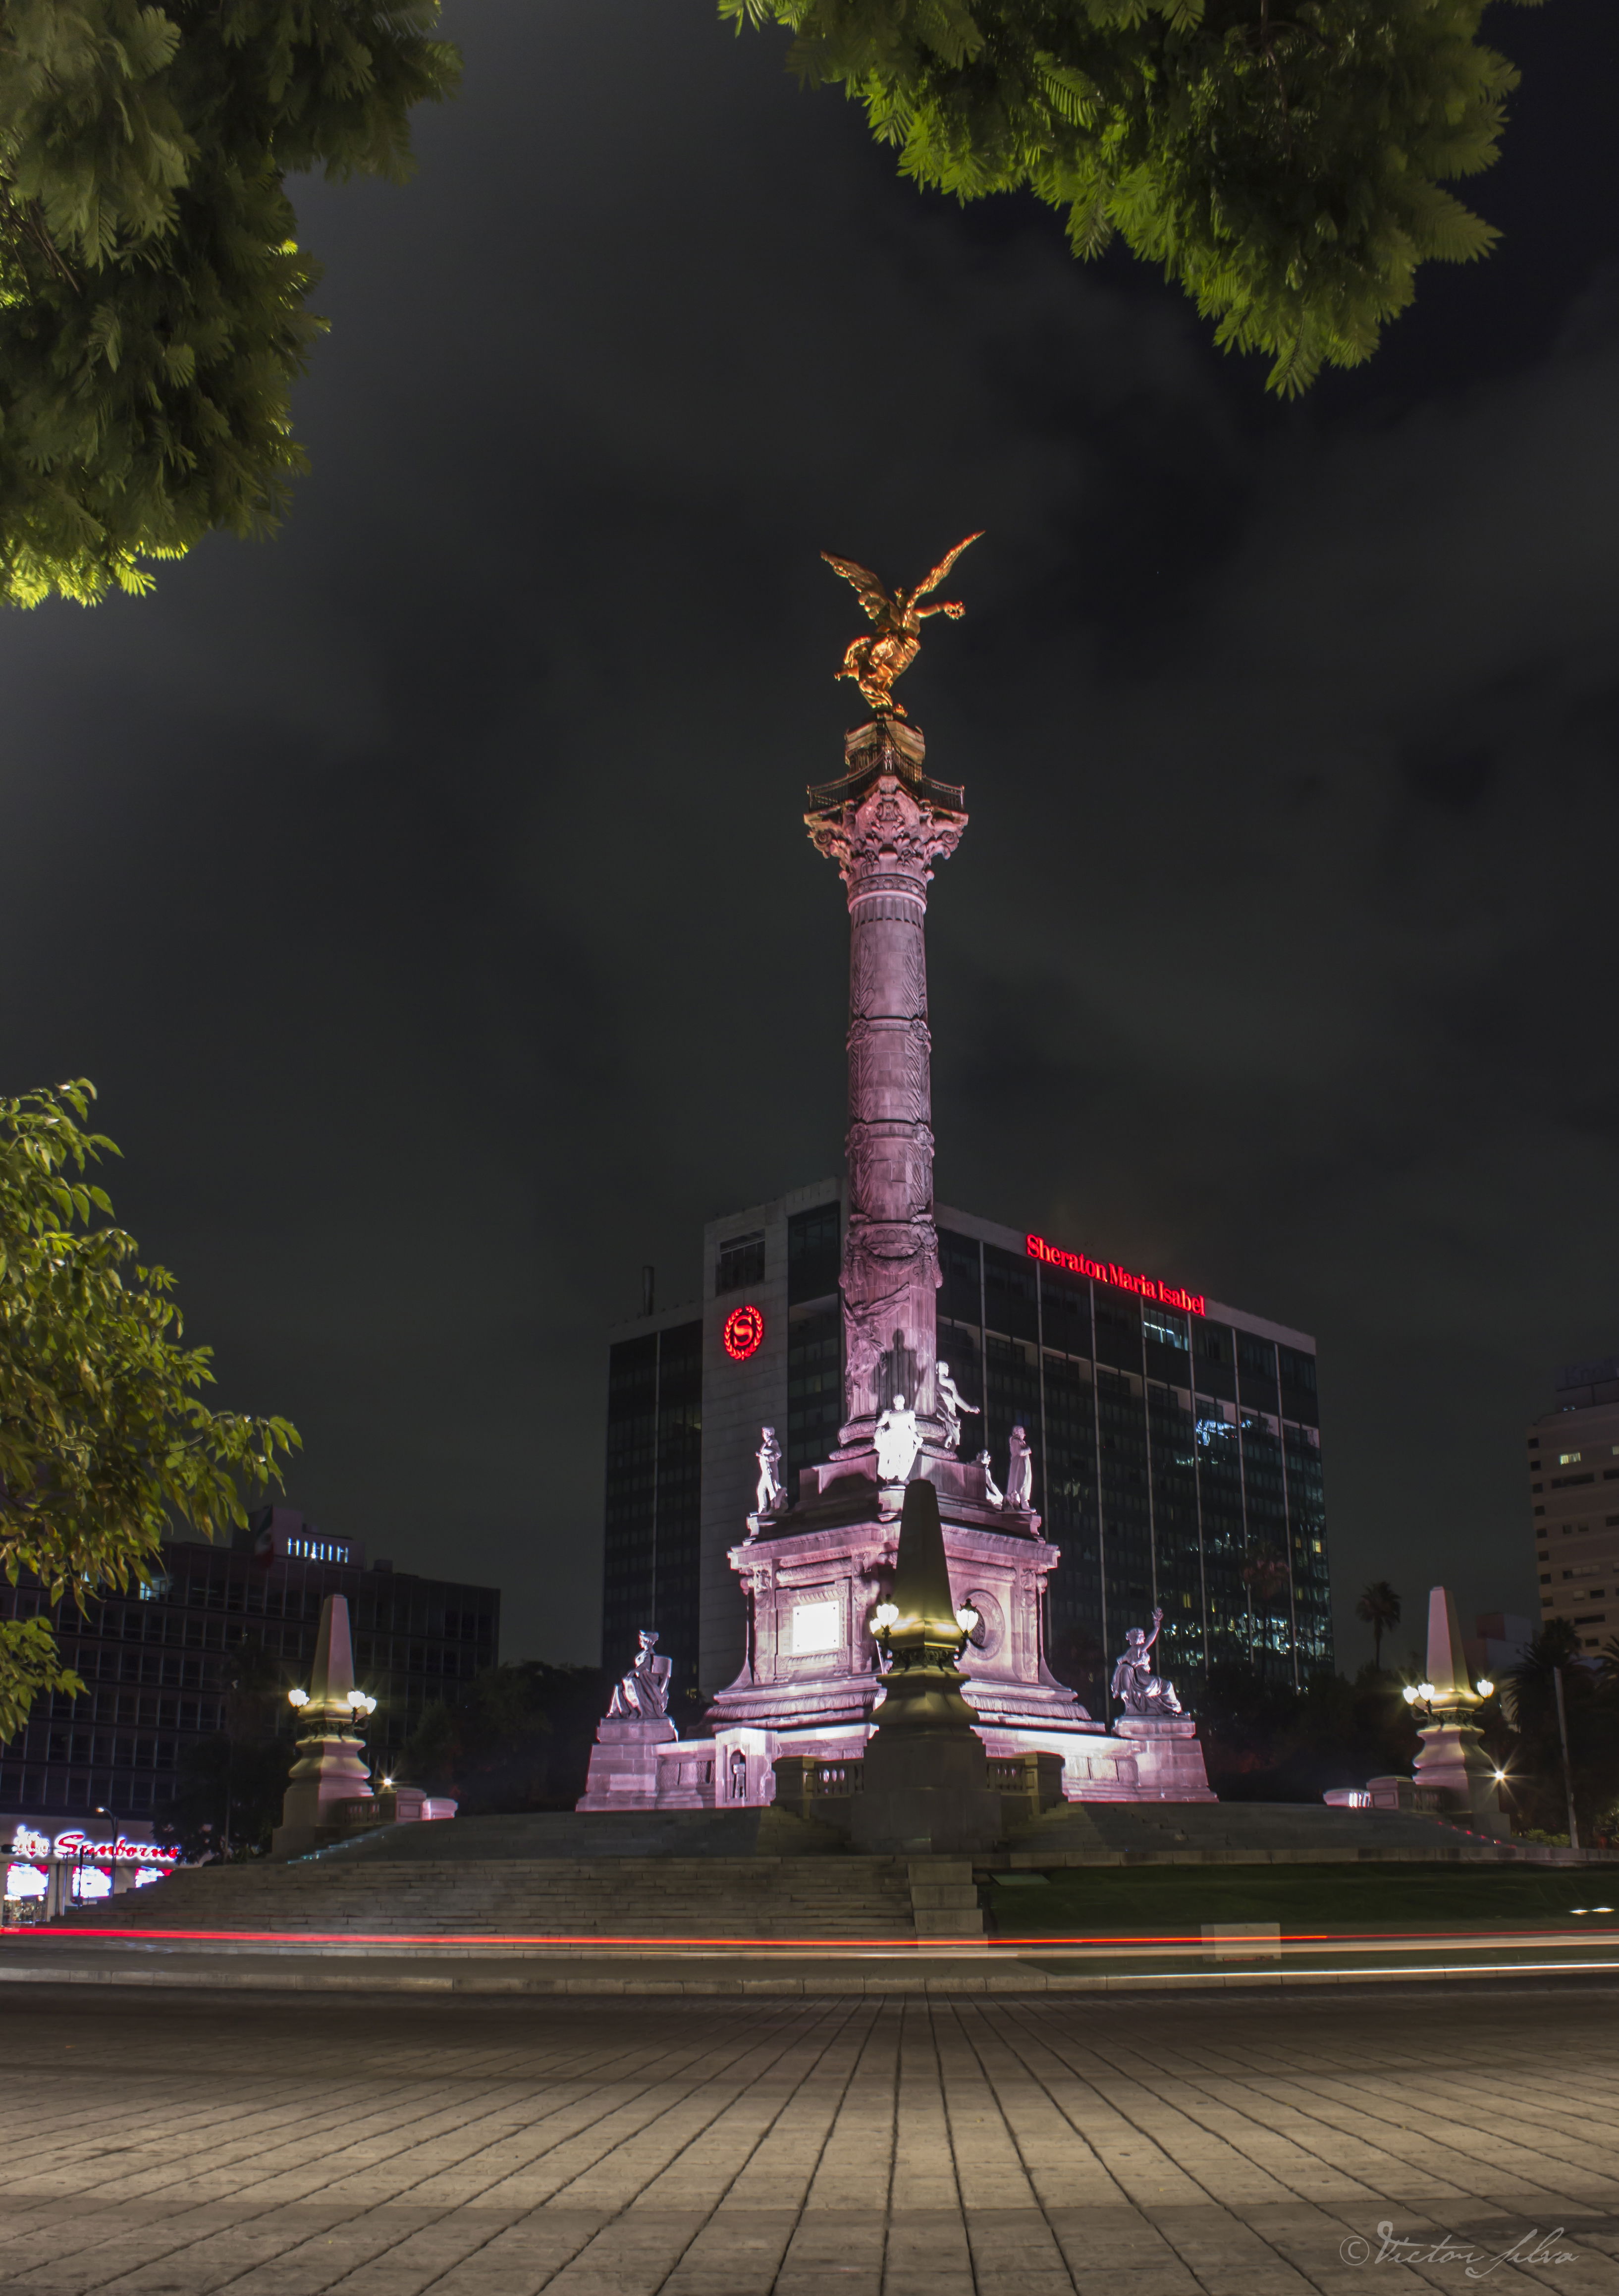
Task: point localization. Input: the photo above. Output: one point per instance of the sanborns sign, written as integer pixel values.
(75, 1843)
(1146, 1287)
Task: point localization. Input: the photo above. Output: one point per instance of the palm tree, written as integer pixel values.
(1379, 1608)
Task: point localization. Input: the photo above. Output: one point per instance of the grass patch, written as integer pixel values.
(1093, 1900)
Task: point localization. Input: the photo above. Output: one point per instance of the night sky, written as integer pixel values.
(426, 891)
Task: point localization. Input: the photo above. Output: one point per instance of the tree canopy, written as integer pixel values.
(1286, 166)
(105, 1441)
(152, 292)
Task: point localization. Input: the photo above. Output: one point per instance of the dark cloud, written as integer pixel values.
(426, 892)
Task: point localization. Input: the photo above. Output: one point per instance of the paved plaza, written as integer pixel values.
(175, 2145)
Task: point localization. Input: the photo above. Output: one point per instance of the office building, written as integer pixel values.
(1176, 1442)
(1573, 1499)
(160, 1663)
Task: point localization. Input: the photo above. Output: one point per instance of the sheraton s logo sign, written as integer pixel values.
(1145, 1287)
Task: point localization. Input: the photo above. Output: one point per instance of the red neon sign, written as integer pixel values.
(1146, 1287)
(744, 1333)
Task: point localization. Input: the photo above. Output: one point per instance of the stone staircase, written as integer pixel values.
(664, 1876)
(665, 1898)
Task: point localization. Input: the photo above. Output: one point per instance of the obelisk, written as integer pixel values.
(926, 1781)
(330, 1769)
(1451, 1753)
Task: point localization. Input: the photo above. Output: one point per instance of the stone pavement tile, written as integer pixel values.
(836, 2251)
(300, 2256)
(316, 2262)
(927, 2254)
(633, 2255)
(522, 2260)
(1225, 2255)
(424, 2252)
(1115, 2248)
(738, 2253)
(209, 2256)
(855, 2163)
(704, 2172)
(1015, 2252)
(924, 2176)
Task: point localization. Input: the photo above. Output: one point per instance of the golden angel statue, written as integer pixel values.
(874, 663)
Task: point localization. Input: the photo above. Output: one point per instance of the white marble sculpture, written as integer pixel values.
(993, 1491)
(951, 1405)
(898, 1441)
(770, 1493)
(1020, 1472)
(1137, 1689)
(642, 1694)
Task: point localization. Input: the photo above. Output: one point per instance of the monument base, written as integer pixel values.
(624, 1765)
(1168, 1758)
(924, 1790)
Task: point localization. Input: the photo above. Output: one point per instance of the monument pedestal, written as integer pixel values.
(623, 1763)
(1450, 1759)
(1168, 1758)
(925, 1779)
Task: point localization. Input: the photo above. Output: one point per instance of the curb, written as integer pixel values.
(380, 1979)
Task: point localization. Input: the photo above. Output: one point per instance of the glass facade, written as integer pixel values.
(158, 1665)
(1177, 1461)
(654, 1491)
(814, 1338)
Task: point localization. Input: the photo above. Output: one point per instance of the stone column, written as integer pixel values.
(884, 825)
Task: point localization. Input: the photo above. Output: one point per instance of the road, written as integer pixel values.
(176, 2146)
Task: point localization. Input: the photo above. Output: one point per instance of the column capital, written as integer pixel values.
(886, 823)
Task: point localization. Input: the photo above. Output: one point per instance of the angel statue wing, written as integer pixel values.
(941, 569)
(872, 597)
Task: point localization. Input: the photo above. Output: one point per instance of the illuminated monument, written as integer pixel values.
(818, 1563)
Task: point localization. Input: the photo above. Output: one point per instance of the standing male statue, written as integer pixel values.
(952, 1403)
(770, 1493)
(898, 1441)
(1020, 1472)
(642, 1694)
(1137, 1689)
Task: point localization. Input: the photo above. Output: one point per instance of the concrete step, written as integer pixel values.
(703, 1897)
(1240, 1830)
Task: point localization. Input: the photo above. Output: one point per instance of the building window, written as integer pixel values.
(1545, 1577)
(741, 1262)
(814, 1253)
(1568, 1458)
